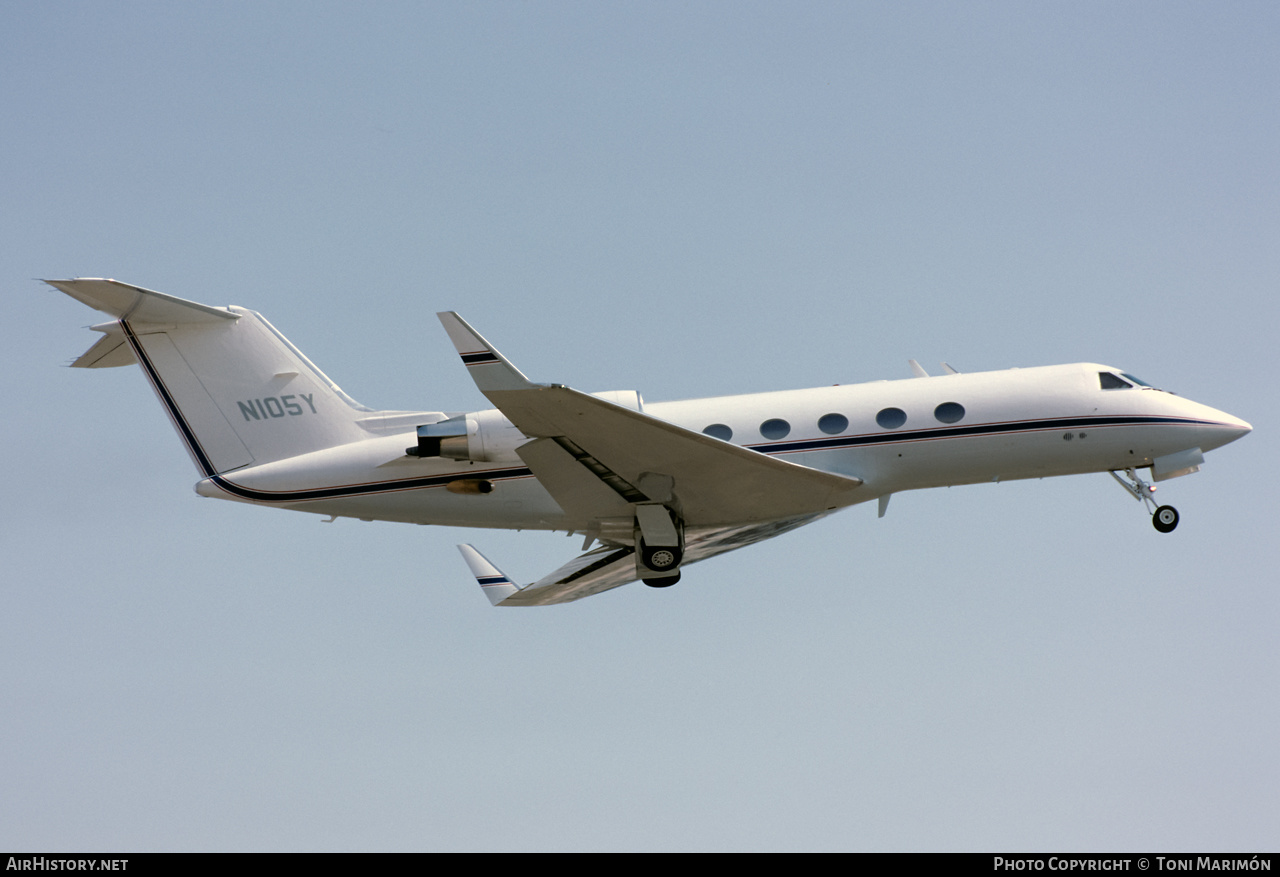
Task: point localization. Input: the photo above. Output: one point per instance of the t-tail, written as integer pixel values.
(236, 390)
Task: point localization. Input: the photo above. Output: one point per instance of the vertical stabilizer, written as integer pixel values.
(235, 389)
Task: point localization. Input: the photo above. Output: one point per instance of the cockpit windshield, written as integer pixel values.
(1122, 381)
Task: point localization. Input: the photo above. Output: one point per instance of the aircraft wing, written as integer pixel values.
(596, 458)
(609, 567)
(604, 462)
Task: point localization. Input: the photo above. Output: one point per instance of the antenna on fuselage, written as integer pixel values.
(917, 370)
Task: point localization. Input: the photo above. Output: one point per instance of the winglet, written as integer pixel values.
(489, 368)
(497, 587)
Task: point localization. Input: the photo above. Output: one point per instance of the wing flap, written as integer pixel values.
(599, 570)
(581, 494)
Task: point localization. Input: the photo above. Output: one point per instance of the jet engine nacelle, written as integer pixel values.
(626, 398)
(487, 436)
(477, 437)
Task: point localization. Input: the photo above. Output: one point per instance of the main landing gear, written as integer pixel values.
(1164, 518)
(659, 537)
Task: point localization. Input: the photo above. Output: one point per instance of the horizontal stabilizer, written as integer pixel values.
(125, 302)
(111, 350)
(237, 392)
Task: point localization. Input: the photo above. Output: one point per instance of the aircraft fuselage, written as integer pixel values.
(894, 435)
(658, 486)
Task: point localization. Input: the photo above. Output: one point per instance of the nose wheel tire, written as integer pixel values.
(1165, 519)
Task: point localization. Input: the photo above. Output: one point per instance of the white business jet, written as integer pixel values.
(654, 486)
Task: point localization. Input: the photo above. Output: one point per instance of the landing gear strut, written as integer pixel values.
(1164, 518)
(659, 536)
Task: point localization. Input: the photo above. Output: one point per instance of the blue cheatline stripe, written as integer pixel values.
(479, 358)
(1010, 427)
(363, 489)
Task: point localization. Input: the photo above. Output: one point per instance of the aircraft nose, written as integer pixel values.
(1237, 427)
(1228, 428)
(1219, 427)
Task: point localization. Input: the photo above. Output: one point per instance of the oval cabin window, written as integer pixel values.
(891, 418)
(949, 412)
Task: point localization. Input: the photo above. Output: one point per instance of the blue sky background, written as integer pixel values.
(687, 199)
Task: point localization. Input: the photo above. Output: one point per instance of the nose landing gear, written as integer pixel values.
(1164, 518)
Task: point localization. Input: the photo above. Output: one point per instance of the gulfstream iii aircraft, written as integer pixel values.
(658, 485)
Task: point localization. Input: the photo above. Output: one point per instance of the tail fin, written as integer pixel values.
(236, 390)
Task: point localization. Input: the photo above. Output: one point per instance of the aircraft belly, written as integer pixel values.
(519, 503)
(376, 481)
